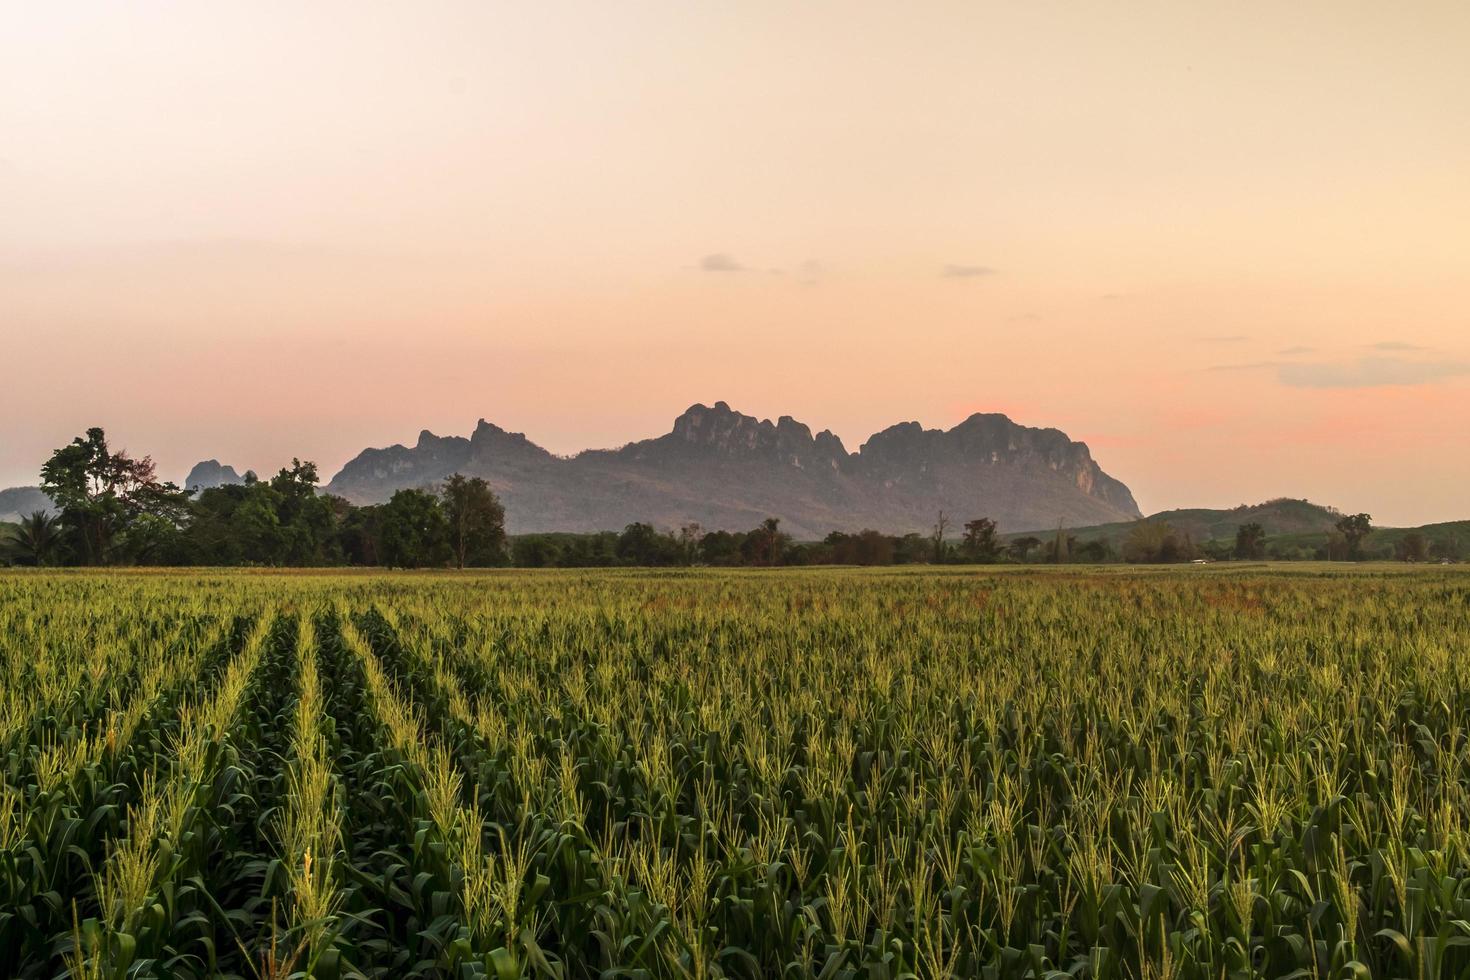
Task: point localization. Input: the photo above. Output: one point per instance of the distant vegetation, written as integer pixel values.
(108, 508)
(1280, 530)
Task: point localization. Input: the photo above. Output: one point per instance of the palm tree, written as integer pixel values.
(36, 540)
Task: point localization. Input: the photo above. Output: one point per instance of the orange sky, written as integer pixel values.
(1228, 245)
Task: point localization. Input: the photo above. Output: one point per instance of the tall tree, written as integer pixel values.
(103, 495)
(308, 520)
(764, 545)
(941, 525)
(412, 531)
(1250, 541)
(1060, 549)
(980, 543)
(689, 538)
(476, 521)
(1354, 528)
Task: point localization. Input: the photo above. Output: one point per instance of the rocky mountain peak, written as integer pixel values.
(489, 439)
(211, 473)
(723, 468)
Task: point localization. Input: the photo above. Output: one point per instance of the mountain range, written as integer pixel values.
(724, 469)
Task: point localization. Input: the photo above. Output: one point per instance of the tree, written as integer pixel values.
(1447, 548)
(1250, 542)
(980, 543)
(307, 519)
(1060, 545)
(284, 521)
(476, 521)
(412, 531)
(1414, 547)
(721, 548)
(36, 540)
(1178, 546)
(642, 544)
(689, 538)
(358, 534)
(764, 545)
(912, 549)
(1354, 528)
(1063, 544)
(535, 551)
(1022, 547)
(937, 536)
(105, 495)
(1155, 541)
(867, 547)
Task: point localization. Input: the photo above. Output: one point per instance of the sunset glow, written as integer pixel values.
(1228, 246)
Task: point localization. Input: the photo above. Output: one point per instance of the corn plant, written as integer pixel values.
(999, 773)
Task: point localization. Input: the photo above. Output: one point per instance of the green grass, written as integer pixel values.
(1242, 770)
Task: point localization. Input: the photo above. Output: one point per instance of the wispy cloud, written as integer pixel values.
(956, 271)
(1290, 351)
(1370, 372)
(1228, 338)
(1396, 345)
(1249, 366)
(720, 262)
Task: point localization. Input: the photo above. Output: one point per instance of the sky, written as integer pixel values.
(1227, 245)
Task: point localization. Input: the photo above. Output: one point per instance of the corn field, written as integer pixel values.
(1196, 773)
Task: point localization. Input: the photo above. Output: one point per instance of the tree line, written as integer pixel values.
(111, 509)
(764, 545)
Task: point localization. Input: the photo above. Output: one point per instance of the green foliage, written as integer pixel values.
(1413, 546)
(112, 506)
(1061, 546)
(37, 540)
(641, 544)
(867, 547)
(413, 531)
(1156, 542)
(980, 543)
(476, 522)
(1250, 542)
(280, 522)
(1021, 548)
(1354, 528)
(1009, 773)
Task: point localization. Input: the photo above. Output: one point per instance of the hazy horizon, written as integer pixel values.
(1223, 246)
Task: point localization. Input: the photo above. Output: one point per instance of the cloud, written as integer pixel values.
(1396, 345)
(1229, 338)
(809, 273)
(1370, 372)
(720, 262)
(1251, 366)
(1296, 350)
(953, 271)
